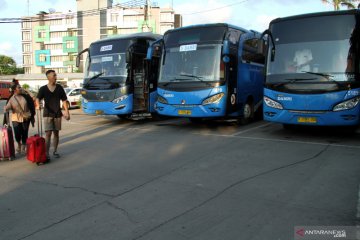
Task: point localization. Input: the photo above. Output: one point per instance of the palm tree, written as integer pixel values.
(350, 4)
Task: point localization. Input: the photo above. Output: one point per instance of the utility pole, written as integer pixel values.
(146, 17)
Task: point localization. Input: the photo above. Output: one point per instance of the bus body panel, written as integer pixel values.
(312, 109)
(152, 100)
(189, 104)
(117, 67)
(313, 68)
(185, 83)
(124, 107)
(250, 84)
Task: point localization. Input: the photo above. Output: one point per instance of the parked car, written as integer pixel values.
(73, 96)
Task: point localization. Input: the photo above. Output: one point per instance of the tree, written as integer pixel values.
(8, 66)
(350, 4)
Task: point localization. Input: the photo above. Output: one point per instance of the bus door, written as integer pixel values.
(230, 48)
(152, 66)
(138, 73)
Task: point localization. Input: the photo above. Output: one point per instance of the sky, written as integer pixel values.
(249, 14)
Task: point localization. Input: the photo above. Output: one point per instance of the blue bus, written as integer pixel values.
(312, 70)
(210, 71)
(118, 80)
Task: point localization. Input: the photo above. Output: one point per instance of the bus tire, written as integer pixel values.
(196, 120)
(123, 117)
(288, 126)
(248, 113)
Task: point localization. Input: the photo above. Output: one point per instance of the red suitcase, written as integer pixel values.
(7, 147)
(35, 145)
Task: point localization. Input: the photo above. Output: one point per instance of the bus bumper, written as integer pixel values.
(325, 118)
(191, 111)
(108, 108)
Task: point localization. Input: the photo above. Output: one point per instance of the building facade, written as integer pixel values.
(53, 40)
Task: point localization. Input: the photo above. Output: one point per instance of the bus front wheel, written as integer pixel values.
(196, 120)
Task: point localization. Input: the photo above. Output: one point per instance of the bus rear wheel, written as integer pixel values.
(248, 113)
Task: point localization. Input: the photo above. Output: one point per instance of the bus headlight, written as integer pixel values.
(213, 99)
(348, 104)
(271, 103)
(120, 99)
(162, 100)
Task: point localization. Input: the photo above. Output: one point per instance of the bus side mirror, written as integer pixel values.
(149, 53)
(226, 48)
(78, 56)
(77, 61)
(128, 56)
(260, 47)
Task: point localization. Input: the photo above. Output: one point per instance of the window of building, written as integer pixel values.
(26, 36)
(69, 20)
(27, 70)
(55, 22)
(166, 17)
(58, 34)
(42, 57)
(53, 46)
(114, 17)
(70, 44)
(26, 24)
(26, 47)
(42, 34)
(56, 58)
(27, 59)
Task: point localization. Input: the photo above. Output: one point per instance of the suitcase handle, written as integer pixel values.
(39, 122)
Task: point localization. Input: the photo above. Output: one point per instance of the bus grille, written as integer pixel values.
(100, 96)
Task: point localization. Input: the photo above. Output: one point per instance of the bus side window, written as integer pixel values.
(249, 53)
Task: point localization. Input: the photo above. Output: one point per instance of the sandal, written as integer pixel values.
(56, 154)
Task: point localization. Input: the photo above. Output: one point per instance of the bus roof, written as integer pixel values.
(207, 25)
(316, 14)
(142, 35)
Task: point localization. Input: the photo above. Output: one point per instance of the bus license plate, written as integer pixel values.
(99, 112)
(184, 112)
(307, 120)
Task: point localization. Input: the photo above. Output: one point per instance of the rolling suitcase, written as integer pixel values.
(35, 145)
(7, 147)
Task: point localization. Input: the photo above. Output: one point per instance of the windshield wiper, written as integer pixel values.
(92, 78)
(292, 80)
(329, 77)
(197, 77)
(176, 80)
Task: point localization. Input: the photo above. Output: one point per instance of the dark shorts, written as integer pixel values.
(52, 124)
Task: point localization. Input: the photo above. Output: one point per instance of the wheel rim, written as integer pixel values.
(247, 111)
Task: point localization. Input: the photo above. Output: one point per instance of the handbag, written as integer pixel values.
(26, 115)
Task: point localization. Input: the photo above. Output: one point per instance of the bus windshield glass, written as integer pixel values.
(107, 65)
(314, 49)
(191, 62)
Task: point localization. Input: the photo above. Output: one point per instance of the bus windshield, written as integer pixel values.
(317, 49)
(191, 62)
(109, 65)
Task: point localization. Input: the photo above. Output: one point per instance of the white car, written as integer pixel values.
(73, 97)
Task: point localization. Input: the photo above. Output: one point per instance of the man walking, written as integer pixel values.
(52, 94)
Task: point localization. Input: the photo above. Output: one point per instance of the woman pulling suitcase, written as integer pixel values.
(22, 114)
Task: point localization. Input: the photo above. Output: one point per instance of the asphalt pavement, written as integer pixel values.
(172, 179)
